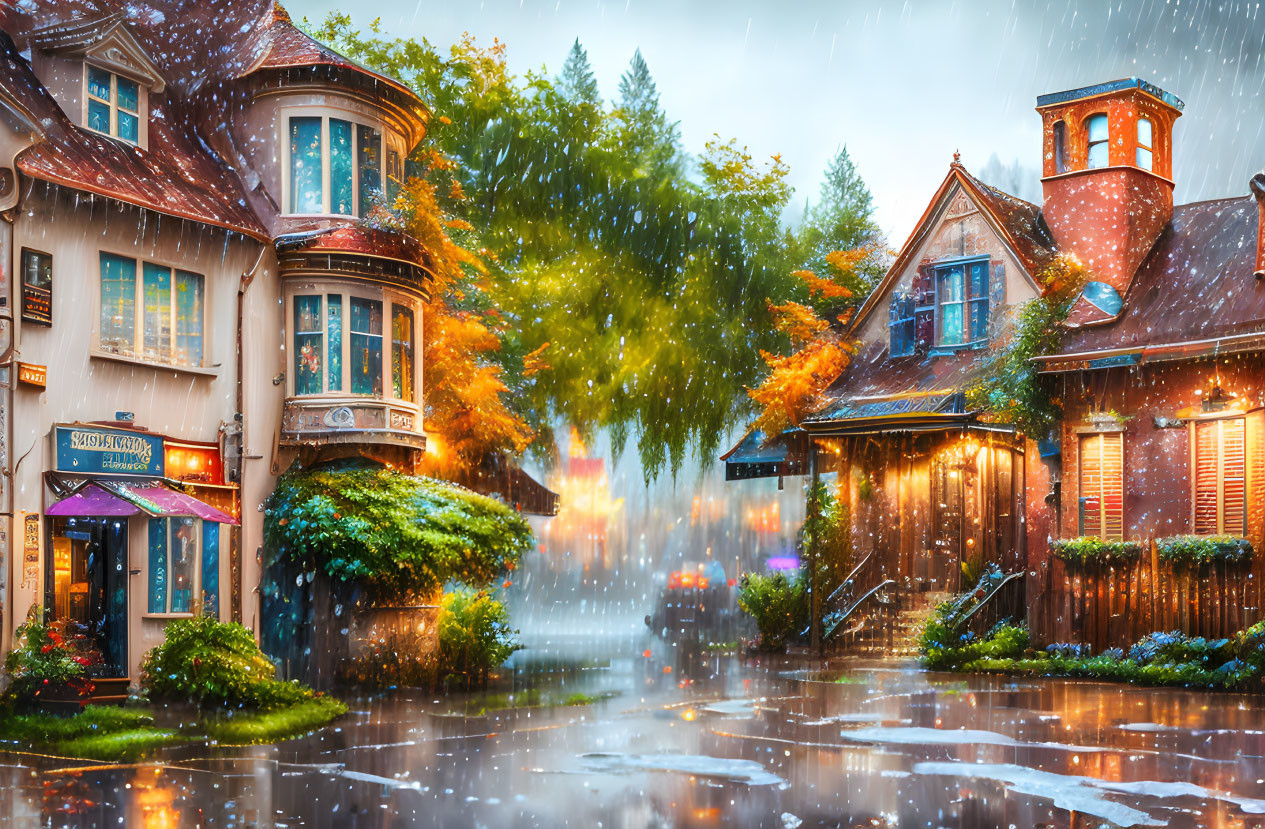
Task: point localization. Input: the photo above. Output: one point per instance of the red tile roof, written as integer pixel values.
(380, 242)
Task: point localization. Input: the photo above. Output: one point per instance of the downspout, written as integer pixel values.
(814, 512)
(235, 588)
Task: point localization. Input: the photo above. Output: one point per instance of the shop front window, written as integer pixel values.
(175, 552)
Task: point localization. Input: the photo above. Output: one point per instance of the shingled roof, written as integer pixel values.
(180, 176)
(1194, 293)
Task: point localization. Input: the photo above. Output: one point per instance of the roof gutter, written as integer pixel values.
(1141, 355)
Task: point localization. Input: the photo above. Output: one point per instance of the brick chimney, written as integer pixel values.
(1107, 178)
(1257, 186)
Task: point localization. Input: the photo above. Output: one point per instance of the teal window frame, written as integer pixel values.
(175, 583)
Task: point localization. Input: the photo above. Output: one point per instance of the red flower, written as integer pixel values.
(46, 649)
(82, 660)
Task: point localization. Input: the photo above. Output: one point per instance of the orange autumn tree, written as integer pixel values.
(464, 395)
(796, 383)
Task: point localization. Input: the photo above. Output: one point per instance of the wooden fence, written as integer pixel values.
(1114, 606)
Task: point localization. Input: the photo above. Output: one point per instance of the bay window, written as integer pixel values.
(329, 360)
(1219, 464)
(152, 311)
(336, 166)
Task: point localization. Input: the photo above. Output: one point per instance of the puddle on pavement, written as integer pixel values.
(698, 740)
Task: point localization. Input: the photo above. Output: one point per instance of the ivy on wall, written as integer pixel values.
(1194, 550)
(400, 537)
(1089, 551)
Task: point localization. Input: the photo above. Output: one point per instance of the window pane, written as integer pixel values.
(334, 304)
(211, 569)
(308, 344)
(37, 270)
(306, 194)
(188, 318)
(99, 116)
(184, 563)
(979, 280)
(342, 196)
(1144, 159)
(369, 161)
(366, 346)
(395, 174)
(157, 333)
(952, 283)
(1098, 128)
(1144, 133)
(99, 83)
(128, 95)
(979, 319)
(402, 352)
(1098, 155)
(118, 304)
(129, 127)
(951, 332)
(157, 565)
(1060, 147)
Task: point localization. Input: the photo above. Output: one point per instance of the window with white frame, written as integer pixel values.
(335, 165)
(1099, 136)
(113, 105)
(1146, 144)
(151, 311)
(353, 343)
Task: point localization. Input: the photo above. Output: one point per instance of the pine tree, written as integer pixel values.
(648, 139)
(638, 95)
(845, 212)
(576, 81)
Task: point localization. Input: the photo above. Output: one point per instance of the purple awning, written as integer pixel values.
(150, 497)
(92, 500)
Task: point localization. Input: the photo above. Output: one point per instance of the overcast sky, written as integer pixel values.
(903, 84)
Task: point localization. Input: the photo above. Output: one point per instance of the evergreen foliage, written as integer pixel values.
(399, 536)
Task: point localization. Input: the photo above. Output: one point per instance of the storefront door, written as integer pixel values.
(88, 587)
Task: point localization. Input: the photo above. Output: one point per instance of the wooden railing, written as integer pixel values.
(1113, 606)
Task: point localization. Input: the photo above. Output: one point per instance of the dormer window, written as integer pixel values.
(113, 105)
(335, 166)
(1145, 154)
(1099, 138)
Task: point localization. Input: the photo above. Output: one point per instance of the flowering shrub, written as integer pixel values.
(49, 657)
(1086, 551)
(1194, 550)
(213, 663)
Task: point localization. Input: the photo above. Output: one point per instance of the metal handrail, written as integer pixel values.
(966, 617)
(843, 617)
(851, 576)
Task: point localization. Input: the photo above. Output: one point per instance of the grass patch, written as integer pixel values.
(97, 733)
(125, 735)
(530, 698)
(244, 727)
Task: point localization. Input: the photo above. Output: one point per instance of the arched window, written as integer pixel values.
(1146, 157)
(1060, 147)
(1098, 140)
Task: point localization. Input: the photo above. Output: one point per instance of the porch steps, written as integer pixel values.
(894, 633)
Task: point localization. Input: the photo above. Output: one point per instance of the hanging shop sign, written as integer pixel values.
(107, 451)
(31, 549)
(32, 375)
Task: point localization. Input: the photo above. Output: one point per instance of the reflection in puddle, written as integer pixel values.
(741, 771)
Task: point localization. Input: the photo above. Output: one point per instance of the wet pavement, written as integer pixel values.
(700, 740)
